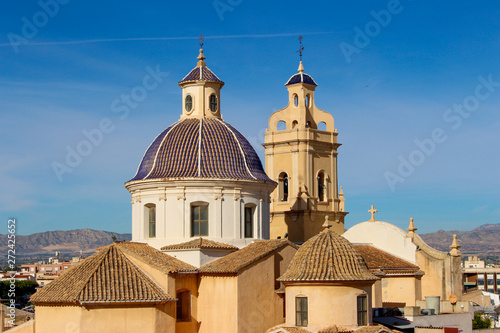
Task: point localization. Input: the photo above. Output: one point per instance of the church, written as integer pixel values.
(222, 245)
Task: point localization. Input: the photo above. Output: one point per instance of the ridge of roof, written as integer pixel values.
(376, 258)
(155, 258)
(200, 243)
(236, 261)
(107, 276)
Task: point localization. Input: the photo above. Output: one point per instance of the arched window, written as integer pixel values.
(307, 100)
(308, 124)
(322, 126)
(283, 186)
(199, 220)
(321, 186)
(188, 104)
(281, 126)
(296, 99)
(213, 103)
(249, 223)
(150, 217)
(295, 123)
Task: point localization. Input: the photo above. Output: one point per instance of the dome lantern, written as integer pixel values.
(201, 91)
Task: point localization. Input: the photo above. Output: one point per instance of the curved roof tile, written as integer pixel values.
(327, 257)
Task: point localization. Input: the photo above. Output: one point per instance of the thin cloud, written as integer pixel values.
(88, 41)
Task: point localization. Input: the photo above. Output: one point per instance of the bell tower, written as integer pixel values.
(303, 160)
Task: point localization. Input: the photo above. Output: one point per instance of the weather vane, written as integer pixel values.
(201, 40)
(301, 47)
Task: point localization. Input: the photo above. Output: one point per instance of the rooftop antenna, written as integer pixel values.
(301, 49)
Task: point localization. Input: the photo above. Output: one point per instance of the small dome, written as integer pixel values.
(301, 78)
(201, 148)
(327, 257)
(201, 73)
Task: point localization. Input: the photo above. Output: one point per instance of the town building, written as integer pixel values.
(218, 245)
(478, 275)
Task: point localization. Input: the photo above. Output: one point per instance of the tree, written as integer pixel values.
(22, 288)
(479, 322)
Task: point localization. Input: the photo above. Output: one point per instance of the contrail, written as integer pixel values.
(88, 41)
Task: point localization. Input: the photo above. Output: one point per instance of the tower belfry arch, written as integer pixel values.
(303, 160)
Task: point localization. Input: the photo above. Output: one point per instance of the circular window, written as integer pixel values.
(188, 104)
(213, 103)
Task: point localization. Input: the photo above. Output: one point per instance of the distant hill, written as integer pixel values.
(71, 241)
(484, 239)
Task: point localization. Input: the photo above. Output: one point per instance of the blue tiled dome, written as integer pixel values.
(201, 148)
(201, 73)
(301, 78)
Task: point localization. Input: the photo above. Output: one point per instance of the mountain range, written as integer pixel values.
(481, 240)
(71, 241)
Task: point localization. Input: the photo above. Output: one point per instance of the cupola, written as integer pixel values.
(201, 91)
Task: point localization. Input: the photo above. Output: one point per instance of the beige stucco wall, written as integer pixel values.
(217, 304)
(443, 272)
(71, 319)
(401, 289)
(328, 304)
(188, 282)
(259, 306)
(246, 302)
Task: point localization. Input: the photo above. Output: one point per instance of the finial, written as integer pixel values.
(373, 211)
(327, 224)
(342, 200)
(411, 228)
(301, 67)
(201, 56)
(455, 247)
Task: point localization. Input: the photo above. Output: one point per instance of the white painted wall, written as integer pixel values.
(384, 236)
(226, 201)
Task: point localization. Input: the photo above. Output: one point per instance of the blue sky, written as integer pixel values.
(414, 87)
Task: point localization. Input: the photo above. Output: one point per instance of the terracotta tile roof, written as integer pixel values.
(335, 329)
(234, 262)
(375, 329)
(157, 259)
(331, 329)
(105, 277)
(327, 257)
(378, 260)
(200, 243)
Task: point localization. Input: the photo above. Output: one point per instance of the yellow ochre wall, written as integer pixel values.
(119, 318)
(328, 304)
(400, 289)
(218, 304)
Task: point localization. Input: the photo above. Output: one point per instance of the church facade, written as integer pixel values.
(219, 245)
